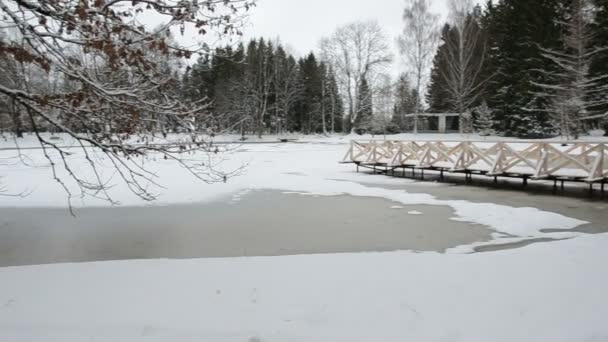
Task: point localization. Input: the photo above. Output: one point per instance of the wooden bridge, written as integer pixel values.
(578, 161)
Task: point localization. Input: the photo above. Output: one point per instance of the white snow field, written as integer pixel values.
(543, 292)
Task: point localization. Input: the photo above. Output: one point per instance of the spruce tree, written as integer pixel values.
(286, 90)
(484, 120)
(335, 103)
(520, 27)
(405, 104)
(309, 106)
(365, 113)
(228, 96)
(437, 95)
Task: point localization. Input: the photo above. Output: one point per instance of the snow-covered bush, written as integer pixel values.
(484, 120)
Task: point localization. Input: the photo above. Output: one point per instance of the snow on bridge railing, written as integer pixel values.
(580, 160)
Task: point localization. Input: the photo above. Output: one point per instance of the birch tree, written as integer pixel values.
(355, 52)
(384, 103)
(417, 44)
(574, 93)
(464, 57)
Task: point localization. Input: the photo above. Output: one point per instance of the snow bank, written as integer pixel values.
(30, 140)
(516, 295)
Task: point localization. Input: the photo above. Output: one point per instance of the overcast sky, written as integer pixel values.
(302, 23)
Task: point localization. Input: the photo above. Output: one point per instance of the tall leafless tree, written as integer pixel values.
(384, 102)
(464, 57)
(574, 91)
(355, 52)
(417, 44)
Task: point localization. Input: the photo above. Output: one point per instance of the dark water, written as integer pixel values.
(263, 223)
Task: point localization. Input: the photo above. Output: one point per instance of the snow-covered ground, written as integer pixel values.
(30, 140)
(544, 292)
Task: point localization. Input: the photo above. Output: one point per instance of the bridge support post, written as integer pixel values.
(555, 186)
(442, 124)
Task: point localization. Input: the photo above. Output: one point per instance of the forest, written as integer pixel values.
(517, 68)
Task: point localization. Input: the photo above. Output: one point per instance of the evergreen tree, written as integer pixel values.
(309, 104)
(437, 96)
(287, 89)
(519, 28)
(405, 103)
(228, 96)
(484, 120)
(334, 101)
(491, 31)
(198, 79)
(363, 122)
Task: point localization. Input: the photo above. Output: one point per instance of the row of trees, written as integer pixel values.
(515, 67)
(261, 88)
(512, 67)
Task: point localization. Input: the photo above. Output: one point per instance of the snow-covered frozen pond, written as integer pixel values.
(378, 258)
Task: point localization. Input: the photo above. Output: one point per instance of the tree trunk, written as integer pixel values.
(16, 118)
(323, 107)
(333, 113)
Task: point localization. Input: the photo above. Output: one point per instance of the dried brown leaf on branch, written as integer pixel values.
(90, 70)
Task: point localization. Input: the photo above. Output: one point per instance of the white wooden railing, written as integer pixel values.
(580, 160)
